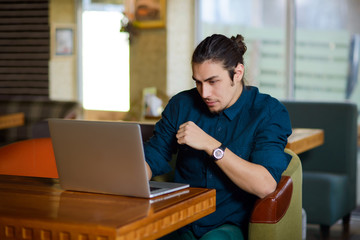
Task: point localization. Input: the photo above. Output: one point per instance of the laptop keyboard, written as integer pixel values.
(153, 188)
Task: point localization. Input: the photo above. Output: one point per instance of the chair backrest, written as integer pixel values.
(33, 157)
(36, 112)
(339, 121)
(279, 215)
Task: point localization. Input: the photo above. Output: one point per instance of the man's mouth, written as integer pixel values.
(210, 103)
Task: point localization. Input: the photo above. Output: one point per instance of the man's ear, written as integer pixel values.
(239, 72)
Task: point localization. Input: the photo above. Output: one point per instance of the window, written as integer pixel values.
(262, 23)
(326, 46)
(325, 31)
(105, 59)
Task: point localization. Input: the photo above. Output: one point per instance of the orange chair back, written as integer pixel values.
(33, 157)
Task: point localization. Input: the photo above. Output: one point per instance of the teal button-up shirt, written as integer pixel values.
(255, 128)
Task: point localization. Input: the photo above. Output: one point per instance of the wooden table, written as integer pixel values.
(37, 208)
(304, 139)
(11, 120)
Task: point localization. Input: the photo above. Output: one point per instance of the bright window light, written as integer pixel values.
(105, 62)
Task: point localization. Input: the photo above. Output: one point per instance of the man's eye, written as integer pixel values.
(212, 81)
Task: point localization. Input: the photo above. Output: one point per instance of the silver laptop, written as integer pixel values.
(103, 157)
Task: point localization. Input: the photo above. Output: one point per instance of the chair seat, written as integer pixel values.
(324, 197)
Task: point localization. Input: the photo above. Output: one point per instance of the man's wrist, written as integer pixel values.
(218, 153)
(211, 146)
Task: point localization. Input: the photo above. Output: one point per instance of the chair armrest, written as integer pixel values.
(274, 206)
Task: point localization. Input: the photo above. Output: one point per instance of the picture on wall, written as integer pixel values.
(64, 41)
(149, 13)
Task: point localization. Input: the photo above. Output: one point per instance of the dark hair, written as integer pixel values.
(219, 48)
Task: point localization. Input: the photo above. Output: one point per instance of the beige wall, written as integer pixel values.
(180, 42)
(161, 57)
(62, 69)
(147, 67)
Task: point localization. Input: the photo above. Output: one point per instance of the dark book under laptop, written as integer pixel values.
(103, 157)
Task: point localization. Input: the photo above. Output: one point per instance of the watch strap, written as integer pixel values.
(222, 147)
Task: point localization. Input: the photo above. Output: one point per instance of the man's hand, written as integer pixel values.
(192, 135)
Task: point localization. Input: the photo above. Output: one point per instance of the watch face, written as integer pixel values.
(218, 153)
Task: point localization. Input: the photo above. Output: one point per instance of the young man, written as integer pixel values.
(228, 136)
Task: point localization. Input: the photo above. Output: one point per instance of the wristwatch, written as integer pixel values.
(218, 153)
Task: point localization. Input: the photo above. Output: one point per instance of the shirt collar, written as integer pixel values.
(236, 108)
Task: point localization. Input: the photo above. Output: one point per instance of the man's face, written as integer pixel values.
(215, 86)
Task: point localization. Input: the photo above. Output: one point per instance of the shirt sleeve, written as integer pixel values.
(271, 139)
(159, 149)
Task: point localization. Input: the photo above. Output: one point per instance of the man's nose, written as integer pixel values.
(205, 91)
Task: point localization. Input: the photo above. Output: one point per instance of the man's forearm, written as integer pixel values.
(250, 177)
